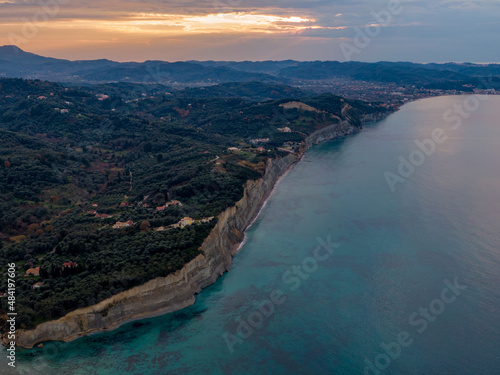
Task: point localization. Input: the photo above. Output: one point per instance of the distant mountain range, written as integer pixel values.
(15, 62)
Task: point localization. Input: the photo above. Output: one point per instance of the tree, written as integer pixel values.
(145, 226)
(6, 164)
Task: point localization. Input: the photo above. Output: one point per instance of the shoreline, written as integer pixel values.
(271, 193)
(177, 291)
(264, 204)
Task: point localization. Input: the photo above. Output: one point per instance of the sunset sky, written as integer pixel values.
(172, 30)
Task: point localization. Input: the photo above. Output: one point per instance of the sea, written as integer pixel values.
(377, 253)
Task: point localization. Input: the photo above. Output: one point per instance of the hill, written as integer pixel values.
(103, 190)
(449, 76)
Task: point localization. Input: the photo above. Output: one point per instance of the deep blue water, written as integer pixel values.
(386, 255)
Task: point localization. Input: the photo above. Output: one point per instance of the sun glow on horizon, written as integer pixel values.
(173, 24)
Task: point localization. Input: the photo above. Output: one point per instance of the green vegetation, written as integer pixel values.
(76, 161)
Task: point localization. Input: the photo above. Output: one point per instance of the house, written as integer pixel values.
(91, 212)
(233, 149)
(286, 129)
(121, 225)
(102, 216)
(261, 149)
(69, 264)
(126, 204)
(33, 272)
(173, 203)
(206, 219)
(95, 205)
(63, 111)
(162, 208)
(185, 222)
(102, 97)
(259, 140)
(37, 285)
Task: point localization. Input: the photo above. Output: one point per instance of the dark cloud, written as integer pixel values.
(424, 30)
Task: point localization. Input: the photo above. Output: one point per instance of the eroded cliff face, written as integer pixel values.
(343, 128)
(177, 291)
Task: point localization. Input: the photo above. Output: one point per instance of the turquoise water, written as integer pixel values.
(386, 254)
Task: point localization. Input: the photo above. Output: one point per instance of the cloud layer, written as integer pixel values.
(425, 30)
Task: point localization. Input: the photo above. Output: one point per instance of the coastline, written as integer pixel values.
(178, 290)
(266, 199)
(271, 193)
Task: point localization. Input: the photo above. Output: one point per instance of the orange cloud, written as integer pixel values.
(171, 24)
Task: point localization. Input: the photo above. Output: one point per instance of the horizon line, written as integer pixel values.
(256, 61)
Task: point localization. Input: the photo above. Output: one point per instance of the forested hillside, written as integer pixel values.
(103, 188)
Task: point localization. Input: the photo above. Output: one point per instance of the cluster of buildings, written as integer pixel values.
(184, 222)
(123, 225)
(35, 272)
(392, 95)
(32, 272)
(259, 140)
(286, 129)
(168, 204)
(70, 265)
(290, 146)
(99, 216)
(102, 97)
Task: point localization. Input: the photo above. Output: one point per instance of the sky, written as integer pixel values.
(178, 30)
